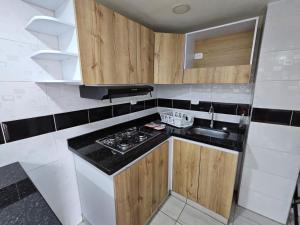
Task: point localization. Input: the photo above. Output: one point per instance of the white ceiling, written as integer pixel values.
(158, 14)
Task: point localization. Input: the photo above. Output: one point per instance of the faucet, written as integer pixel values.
(211, 111)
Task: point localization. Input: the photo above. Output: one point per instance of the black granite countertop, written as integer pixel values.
(103, 158)
(20, 201)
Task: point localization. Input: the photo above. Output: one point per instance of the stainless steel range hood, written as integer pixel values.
(110, 92)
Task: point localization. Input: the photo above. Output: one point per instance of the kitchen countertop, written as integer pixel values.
(20, 201)
(85, 147)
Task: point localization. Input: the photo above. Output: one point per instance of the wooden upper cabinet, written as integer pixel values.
(222, 54)
(145, 56)
(113, 49)
(168, 58)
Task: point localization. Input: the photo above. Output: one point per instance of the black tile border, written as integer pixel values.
(100, 113)
(80, 117)
(272, 116)
(121, 109)
(163, 102)
(71, 119)
(181, 104)
(26, 128)
(61, 121)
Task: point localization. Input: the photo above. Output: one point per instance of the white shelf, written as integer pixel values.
(53, 55)
(71, 82)
(48, 25)
(47, 4)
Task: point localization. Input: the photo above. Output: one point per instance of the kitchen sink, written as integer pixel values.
(208, 132)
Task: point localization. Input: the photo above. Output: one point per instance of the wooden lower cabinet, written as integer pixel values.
(205, 175)
(140, 189)
(186, 166)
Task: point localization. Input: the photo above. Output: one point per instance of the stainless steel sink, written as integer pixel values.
(209, 132)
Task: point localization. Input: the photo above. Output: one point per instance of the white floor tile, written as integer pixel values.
(245, 217)
(191, 216)
(173, 207)
(162, 219)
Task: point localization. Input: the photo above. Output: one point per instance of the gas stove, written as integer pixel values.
(127, 140)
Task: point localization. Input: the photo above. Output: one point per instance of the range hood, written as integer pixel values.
(110, 92)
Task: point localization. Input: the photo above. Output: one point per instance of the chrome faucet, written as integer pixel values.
(211, 111)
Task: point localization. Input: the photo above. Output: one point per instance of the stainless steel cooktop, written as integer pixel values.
(127, 140)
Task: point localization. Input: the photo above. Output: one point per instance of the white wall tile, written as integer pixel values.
(207, 92)
(264, 205)
(174, 91)
(281, 65)
(20, 100)
(232, 93)
(263, 159)
(282, 30)
(277, 95)
(16, 64)
(276, 137)
(14, 16)
(270, 185)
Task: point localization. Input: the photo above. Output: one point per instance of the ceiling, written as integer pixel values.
(158, 14)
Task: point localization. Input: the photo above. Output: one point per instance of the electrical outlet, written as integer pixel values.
(198, 55)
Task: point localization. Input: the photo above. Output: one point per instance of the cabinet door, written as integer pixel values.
(127, 196)
(160, 175)
(140, 189)
(186, 166)
(145, 56)
(216, 180)
(168, 58)
(107, 44)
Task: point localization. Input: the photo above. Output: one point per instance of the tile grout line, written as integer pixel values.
(177, 221)
(2, 129)
(54, 122)
(291, 120)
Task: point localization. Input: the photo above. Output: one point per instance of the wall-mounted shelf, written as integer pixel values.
(71, 82)
(53, 55)
(48, 25)
(222, 54)
(47, 4)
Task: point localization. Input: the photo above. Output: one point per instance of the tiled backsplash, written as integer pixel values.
(26, 128)
(30, 127)
(222, 108)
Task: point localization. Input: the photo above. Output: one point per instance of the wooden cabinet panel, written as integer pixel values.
(145, 56)
(145, 188)
(222, 74)
(216, 180)
(127, 196)
(125, 48)
(186, 165)
(228, 50)
(107, 44)
(160, 175)
(168, 58)
(140, 189)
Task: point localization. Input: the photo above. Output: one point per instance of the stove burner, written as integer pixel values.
(124, 146)
(142, 137)
(126, 140)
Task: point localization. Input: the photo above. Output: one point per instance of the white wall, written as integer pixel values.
(211, 93)
(45, 158)
(272, 159)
